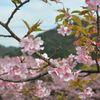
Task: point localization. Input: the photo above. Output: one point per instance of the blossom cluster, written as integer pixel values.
(93, 4)
(18, 67)
(41, 89)
(83, 56)
(62, 71)
(23, 67)
(65, 68)
(87, 93)
(64, 30)
(31, 44)
(11, 89)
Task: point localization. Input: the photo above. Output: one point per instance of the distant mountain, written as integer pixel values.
(9, 51)
(55, 45)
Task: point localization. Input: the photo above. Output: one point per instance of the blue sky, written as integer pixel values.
(32, 12)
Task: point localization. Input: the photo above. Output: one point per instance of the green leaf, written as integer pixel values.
(62, 10)
(65, 22)
(77, 20)
(94, 38)
(38, 29)
(76, 11)
(27, 25)
(59, 17)
(79, 28)
(89, 26)
(35, 27)
(16, 1)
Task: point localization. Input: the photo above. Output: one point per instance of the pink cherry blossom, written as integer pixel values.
(41, 89)
(85, 59)
(19, 67)
(70, 61)
(83, 56)
(7, 88)
(87, 93)
(62, 73)
(16, 68)
(93, 4)
(64, 30)
(31, 44)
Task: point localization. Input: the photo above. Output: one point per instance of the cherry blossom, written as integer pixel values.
(64, 30)
(27, 70)
(83, 56)
(18, 67)
(62, 72)
(41, 90)
(70, 61)
(31, 44)
(93, 4)
(87, 93)
(10, 88)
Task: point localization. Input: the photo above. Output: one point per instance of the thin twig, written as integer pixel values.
(25, 80)
(46, 60)
(15, 10)
(98, 24)
(10, 31)
(90, 71)
(98, 37)
(5, 35)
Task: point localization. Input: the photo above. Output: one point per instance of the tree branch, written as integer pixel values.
(15, 10)
(90, 72)
(98, 24)
(98, 37)
(5, 35)
(46, 60)
(39, 76)
(25, 80)
(10, 31)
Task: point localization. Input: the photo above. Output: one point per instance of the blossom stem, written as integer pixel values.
(98, 38)
(15, 10)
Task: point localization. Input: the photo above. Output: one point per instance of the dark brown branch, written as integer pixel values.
(38, 76)
(98, 24)
(90, 71)
(10, 31)
(97, 64)
(15, 10)
(5, 35)
(98, 37)
(25, 80)
(46, 60)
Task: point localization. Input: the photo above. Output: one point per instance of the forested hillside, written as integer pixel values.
(55, 45)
